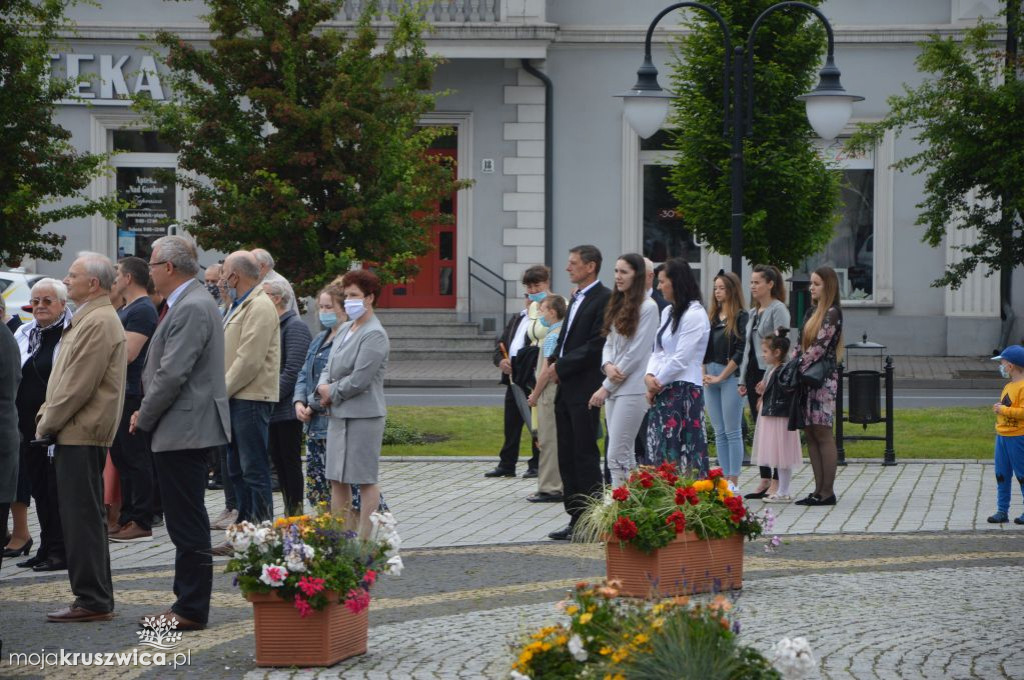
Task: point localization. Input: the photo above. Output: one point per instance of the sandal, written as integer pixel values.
(776, 498)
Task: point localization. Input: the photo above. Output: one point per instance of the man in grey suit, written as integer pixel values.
(185, 411)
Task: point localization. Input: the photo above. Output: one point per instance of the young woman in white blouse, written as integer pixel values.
(675, 390)
(630, 322)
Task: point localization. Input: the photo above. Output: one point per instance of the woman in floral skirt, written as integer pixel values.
(821, 340)
(674, 380)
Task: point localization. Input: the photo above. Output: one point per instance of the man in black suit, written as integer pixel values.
(578, 367)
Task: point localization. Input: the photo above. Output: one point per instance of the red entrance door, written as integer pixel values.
(434, 285)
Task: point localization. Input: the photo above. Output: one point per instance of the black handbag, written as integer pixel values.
(815, 375)
(789, 375)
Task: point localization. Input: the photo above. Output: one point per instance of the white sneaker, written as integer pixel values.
(224, 519)
(776, 498)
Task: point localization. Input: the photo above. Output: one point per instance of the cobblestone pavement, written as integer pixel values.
(930, 590)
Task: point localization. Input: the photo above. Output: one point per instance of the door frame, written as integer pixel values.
(462, 123)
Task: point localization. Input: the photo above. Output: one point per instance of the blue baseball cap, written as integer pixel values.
(1014, 354)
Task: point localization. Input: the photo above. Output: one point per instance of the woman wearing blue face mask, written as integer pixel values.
(330, 302)
(351, 386)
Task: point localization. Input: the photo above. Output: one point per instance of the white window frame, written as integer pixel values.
(633, 161)
(882, 269)
(104, 231)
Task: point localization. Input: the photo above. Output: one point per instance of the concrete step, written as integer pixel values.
(448, 343)
(435, 330)
(439, 355)
(416, 316)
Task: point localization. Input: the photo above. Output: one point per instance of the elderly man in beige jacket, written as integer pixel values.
(252, 358)
(84, 398)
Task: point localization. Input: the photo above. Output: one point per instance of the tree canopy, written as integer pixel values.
(43, 179)
(306, 140)
(790, 195)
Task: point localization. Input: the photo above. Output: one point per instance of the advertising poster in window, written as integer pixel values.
(152, 200)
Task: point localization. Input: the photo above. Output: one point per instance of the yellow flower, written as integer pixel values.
(657, 623)
(658, 608)
(571, 609)
(703, 485)
(585, 618)
(525, 657)
(604, 651)
(620, 654)
(617, 676)
(561, 640)
(723, 483)
(640, 638)
(546, 647)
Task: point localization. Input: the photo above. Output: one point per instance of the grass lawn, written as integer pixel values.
(962, 432)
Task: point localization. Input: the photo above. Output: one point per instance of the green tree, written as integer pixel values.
(790, 195)
(42, 177)
(306, 140)
(968, 117)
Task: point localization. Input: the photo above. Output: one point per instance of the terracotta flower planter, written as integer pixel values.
(283, 638)
(685, 566)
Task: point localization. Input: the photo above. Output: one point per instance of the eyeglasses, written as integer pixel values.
(155, 264)
(42, 301)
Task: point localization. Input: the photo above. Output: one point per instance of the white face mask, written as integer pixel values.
(354, 309)
(1003, 372)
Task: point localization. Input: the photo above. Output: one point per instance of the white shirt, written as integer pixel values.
(681, 354)
(173, 297)
(576, 302)
(518, 336)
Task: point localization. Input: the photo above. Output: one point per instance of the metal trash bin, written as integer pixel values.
(865, 401)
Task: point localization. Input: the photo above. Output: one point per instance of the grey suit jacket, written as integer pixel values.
(773, 316)
(186, 404)
(355, 372)
(10, 377)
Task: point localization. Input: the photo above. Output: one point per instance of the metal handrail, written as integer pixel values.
(503, 291)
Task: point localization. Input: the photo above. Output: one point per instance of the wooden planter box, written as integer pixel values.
(685, 566)
(283, 638)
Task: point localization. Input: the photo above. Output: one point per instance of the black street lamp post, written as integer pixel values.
(829, 106)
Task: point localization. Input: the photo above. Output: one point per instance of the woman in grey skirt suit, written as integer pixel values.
(351, 388)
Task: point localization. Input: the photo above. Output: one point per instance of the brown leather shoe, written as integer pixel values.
(222, 550)
(131, 532)
(75, 614)
(170, 614)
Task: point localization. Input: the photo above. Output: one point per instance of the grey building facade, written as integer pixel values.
(607, 185)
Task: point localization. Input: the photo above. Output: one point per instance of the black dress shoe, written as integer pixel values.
(51, 565)
(831, 500)
(545, 497)
(757, 494)
(531, 473)
(30, 562)
(22, 550)
(810, 500)
(500, 472)
(562, 534)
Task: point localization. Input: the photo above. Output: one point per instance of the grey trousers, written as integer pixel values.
(84, 518)
(624, 414)
(548, 479)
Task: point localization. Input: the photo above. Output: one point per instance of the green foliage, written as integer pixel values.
(397, 433)
(43, 179)
(969, 119)
(306, 140)
(790, 196)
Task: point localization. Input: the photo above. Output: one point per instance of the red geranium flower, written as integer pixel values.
(667, 472)
(715, 473)
(687, 495)
(677, 518)
(357, 600)
(624, 529)
(646, 480)
(620, 494)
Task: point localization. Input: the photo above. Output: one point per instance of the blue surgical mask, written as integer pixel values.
(232, 295)
(354, 309)
(1003, 372)
(544, 322)
(328, 319)
(537, 297)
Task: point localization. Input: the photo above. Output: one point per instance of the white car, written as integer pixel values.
(16, 286)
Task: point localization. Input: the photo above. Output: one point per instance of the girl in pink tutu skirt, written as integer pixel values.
(774, 443)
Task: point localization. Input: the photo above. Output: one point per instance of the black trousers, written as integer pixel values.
(133, 460)
(753, 376)
(84, 518)
(43, 482)
(182, 479)
(509, 455)
(579, 458)
(285, 444)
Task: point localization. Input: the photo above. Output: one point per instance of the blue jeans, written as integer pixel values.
(725, 408)
(249, 460)
(1009, 461)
